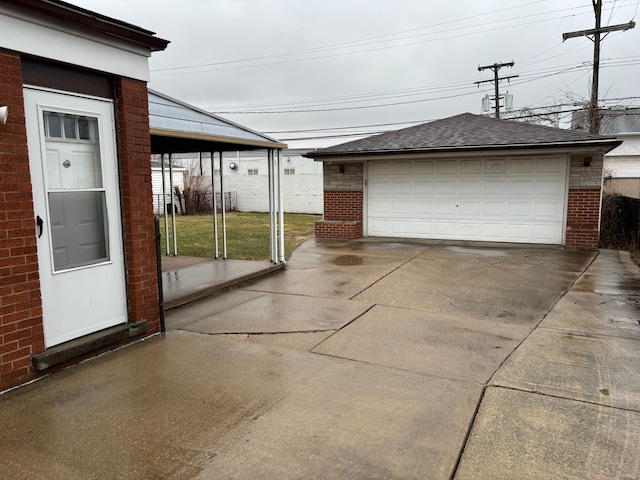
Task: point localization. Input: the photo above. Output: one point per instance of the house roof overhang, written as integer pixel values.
(95, 21)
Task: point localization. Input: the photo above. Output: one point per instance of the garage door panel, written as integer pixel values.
(494, 209)
(379, 187)
(519, 209)
(379, 168)
(422, 208)
(422, 228)
(379, 207)
(424, 167)
(444, 229)
(468, 230)
(447, 167)
(495, 187)
(402, 188)
(401, 168)
(551, 187)
(423, 187)
(492, 199)
(545, 233)
(400, 208)
(553, 165)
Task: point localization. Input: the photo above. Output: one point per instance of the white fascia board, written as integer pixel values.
(39, 36)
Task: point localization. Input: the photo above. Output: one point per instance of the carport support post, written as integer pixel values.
(272, 233)
(173, 209)
(281, 204)
(214, 203)
(224, 212)
(164, 205)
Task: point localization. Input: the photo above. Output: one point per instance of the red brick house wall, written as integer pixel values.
(21, 333)
(21, 330)
(134, 150)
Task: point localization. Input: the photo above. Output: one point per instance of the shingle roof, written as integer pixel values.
(625, 120)
(463, 132)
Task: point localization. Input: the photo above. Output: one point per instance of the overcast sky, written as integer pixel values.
(320, 62)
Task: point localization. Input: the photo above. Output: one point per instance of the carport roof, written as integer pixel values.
(177, 127)
(466, 132)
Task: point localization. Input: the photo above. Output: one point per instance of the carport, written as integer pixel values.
(177, 127)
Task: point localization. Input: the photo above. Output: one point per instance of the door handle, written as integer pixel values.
(40, 224)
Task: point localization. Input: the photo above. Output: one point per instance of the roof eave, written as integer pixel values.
(96, 22)
(217, 138)
(607, 143)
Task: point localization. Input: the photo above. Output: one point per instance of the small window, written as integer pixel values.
(252, 171)
(289, 171)
(70, 127)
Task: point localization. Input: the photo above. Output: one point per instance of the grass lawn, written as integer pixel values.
(247, 234)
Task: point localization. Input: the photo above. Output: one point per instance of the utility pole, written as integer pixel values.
(496, 80)
(594, 36)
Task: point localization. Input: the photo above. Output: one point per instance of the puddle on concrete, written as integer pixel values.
(347, 260)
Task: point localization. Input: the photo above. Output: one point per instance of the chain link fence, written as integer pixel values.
(627, 187)
(194, 203)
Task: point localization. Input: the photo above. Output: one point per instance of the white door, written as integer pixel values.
(519, 199)
(74, 173)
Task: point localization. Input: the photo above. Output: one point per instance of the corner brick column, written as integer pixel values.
(134, 148)
(21, 333)
(583, 209)
(343, 201)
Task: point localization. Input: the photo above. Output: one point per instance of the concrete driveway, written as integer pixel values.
(366, 359)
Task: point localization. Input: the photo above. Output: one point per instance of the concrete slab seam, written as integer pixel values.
(544, 316)
(386, 275)
(559, 397)
(340, 329)
(467, 435)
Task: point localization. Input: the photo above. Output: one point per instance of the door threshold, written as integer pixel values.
(89, 343)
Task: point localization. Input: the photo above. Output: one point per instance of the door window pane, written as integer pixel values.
(69, 127)
(53, 124)
(79, 230)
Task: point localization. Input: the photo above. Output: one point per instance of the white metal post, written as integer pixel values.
(215, 206)
(272, 226)
(164, 205)
(224, 213)
(281, 204)
(173, 210)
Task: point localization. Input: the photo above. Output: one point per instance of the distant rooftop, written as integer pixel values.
(614, 121)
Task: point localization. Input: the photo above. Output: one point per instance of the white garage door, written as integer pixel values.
(494, 199)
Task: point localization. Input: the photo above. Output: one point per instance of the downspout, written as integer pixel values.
(272, 232)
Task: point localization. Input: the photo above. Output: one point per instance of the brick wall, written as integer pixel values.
(21, 334)
(583, 219)
(134, 149)
(343, 201)
(583, 206)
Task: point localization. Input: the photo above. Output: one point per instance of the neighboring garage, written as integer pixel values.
(467, 177)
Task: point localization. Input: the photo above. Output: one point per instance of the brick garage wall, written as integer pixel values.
(21, 333)
(134, 149)
(343, 201)
(583, 209)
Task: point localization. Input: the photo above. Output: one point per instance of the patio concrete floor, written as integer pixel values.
(365, 359)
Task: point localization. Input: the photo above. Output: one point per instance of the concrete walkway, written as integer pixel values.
(367, 359)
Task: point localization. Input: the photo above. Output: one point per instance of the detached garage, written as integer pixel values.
(470, 178)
